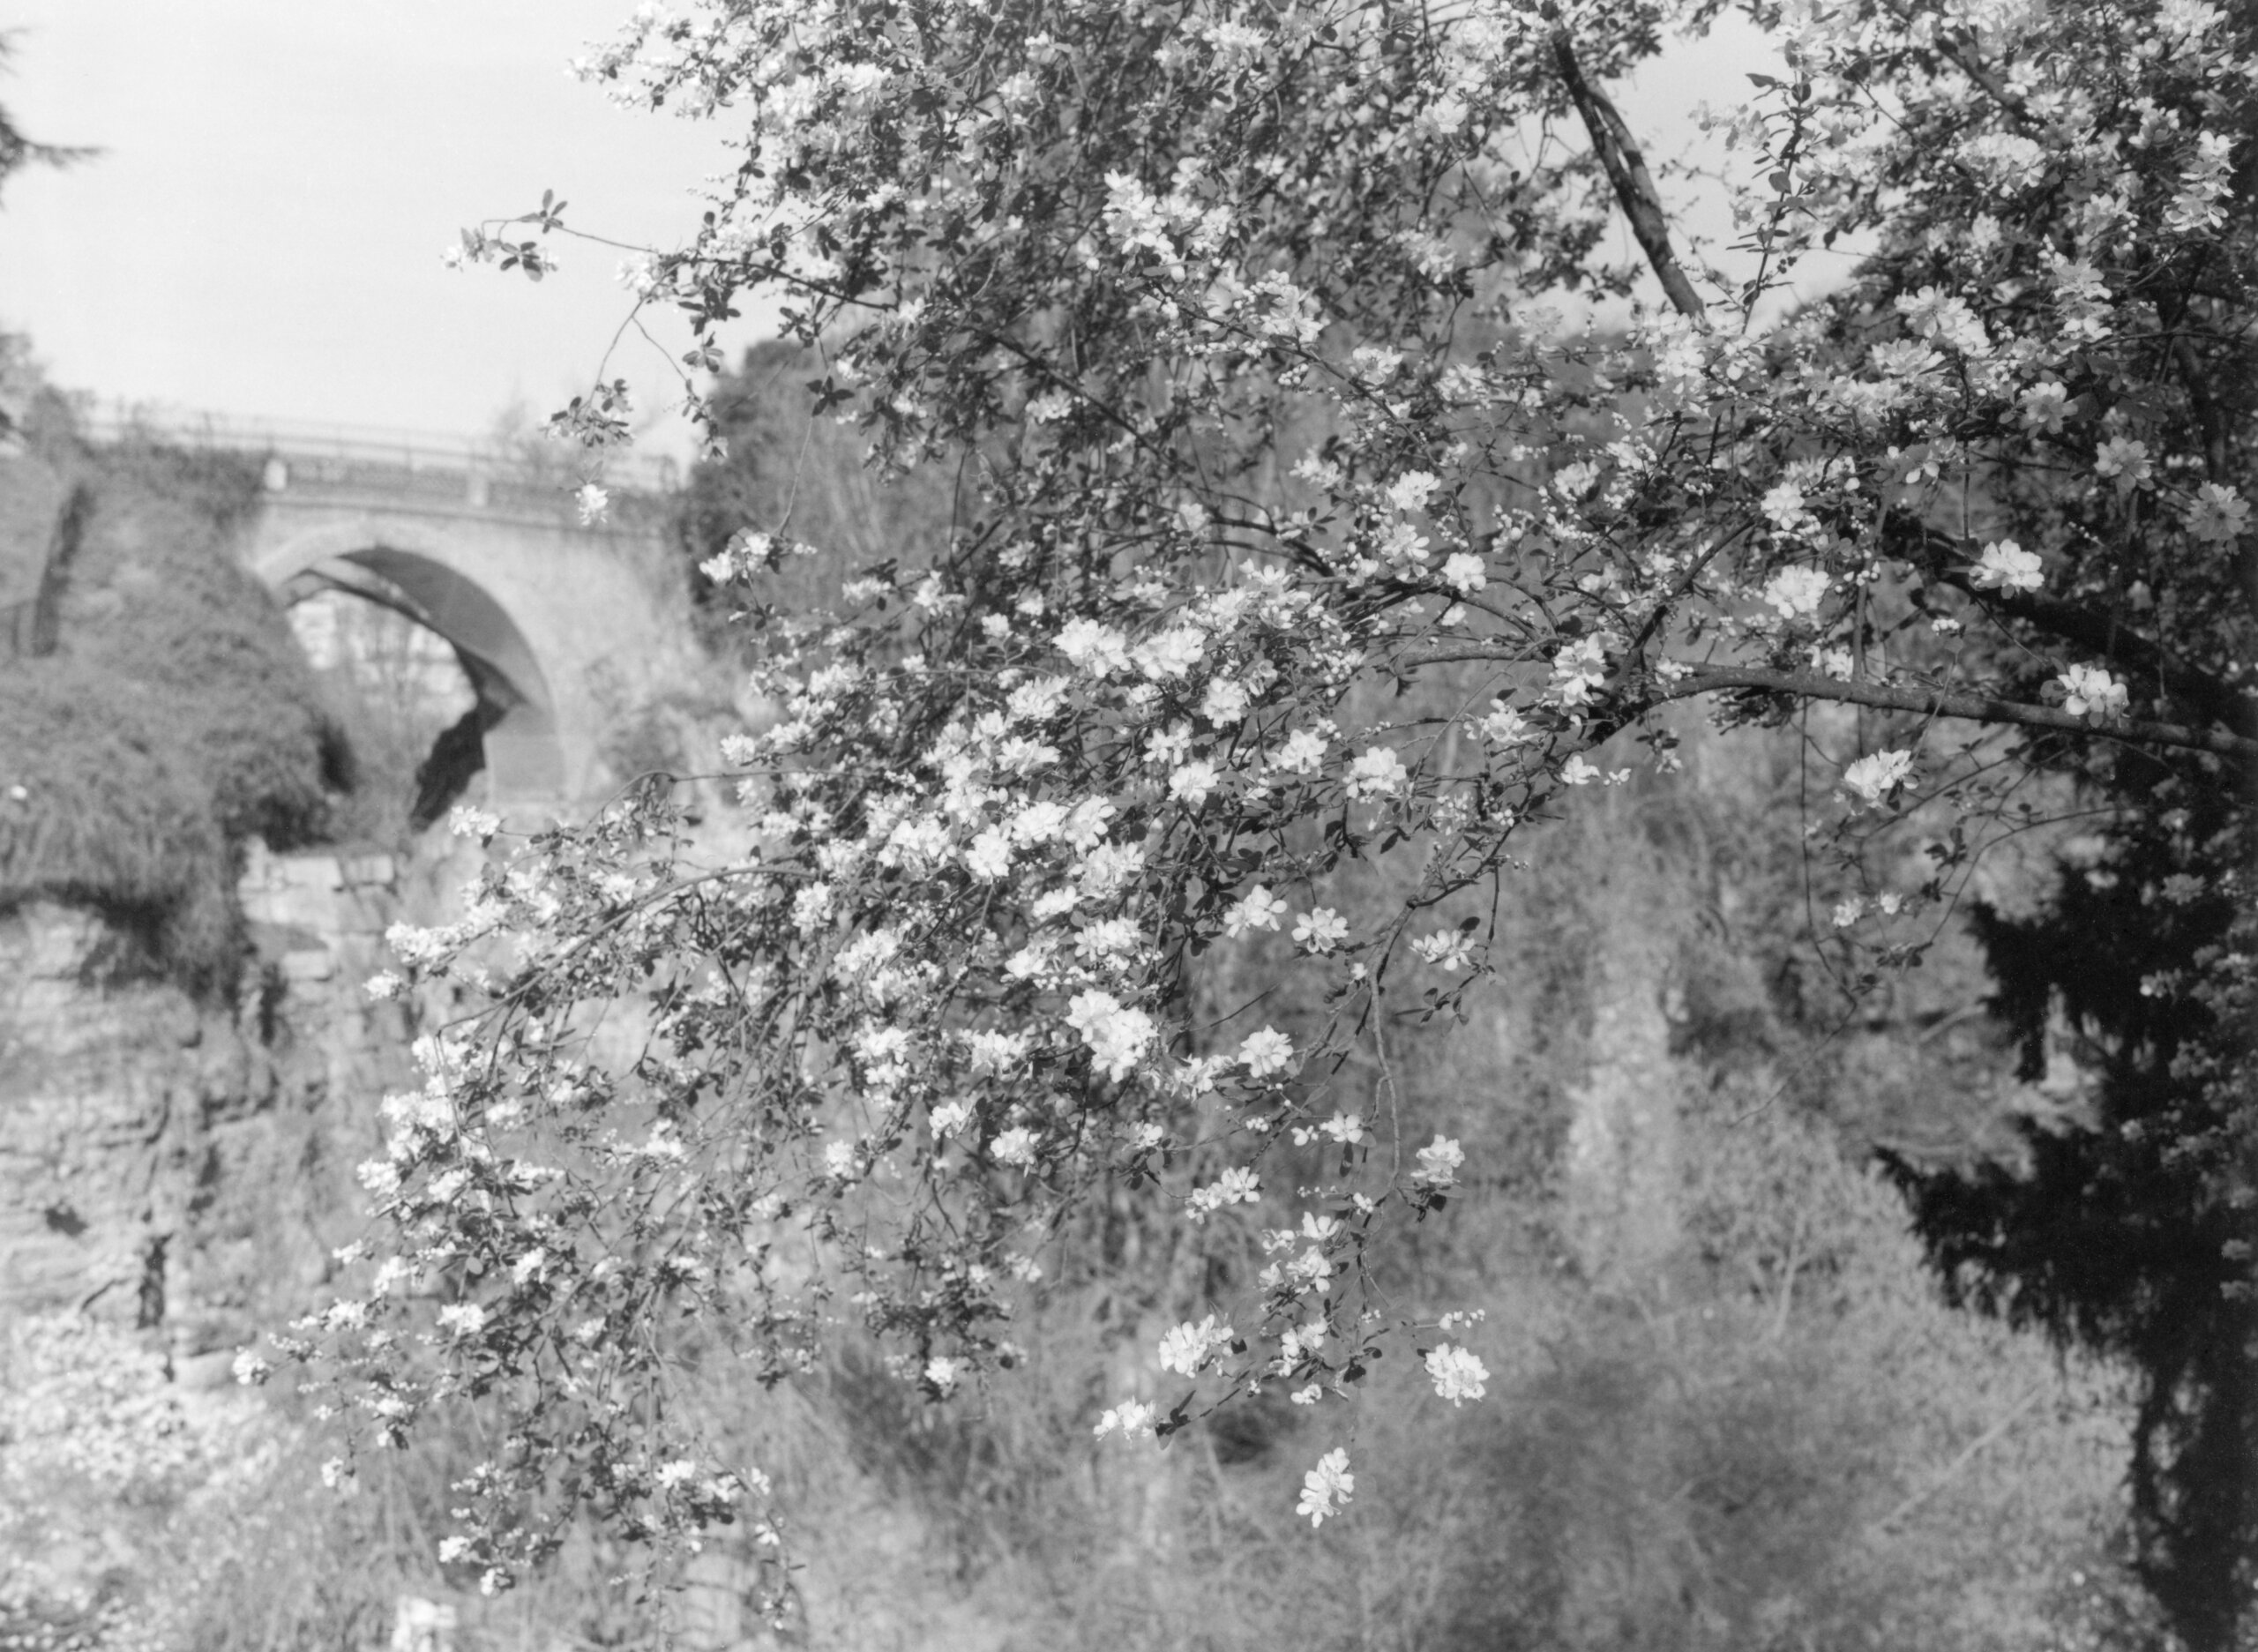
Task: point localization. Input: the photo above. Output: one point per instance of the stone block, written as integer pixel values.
(366, 869)
(312, 872)
(309, 964)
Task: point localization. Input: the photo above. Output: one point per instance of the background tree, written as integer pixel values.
(1305, 529)
(18, 151)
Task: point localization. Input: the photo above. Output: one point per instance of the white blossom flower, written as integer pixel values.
(1037, 702)
(463, 821)
(1579, 669)
(1450, 950)
(1347, 1129)
(1873, 776)
(1464, 572)
(2006, 567)
(1086, 824)
(1504, 725)
(462, 1319)
(1099, 650)
(1784, 507)
(1573, 482)
(1191, 783)
(1258, 910)
(2123, 460)
(1303, 751)
(1797, 592)
(1117, 1036)
(638, 274)
(1170, 653)
(592, 502)
(1326, 1489)
(1131, 1419)
(2219, 516)
(1233, 1188)
(1015, 1146)
(1225, 702)
(1188, 1348)
(1107, 867)
(1321, 930)
(993, 1052)
(2091, 692)
(811, 908)
(2045, 406)
(1946, 318)
(988, 856)
(1266, 1052)
(1439, 1162)
(1458, 1376)
(1379, 773)
(1039, 822)
(1409, 492)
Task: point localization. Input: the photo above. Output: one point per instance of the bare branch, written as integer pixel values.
(1944, 560)
(1928, 702)
(1626, 170)
(1974, 707)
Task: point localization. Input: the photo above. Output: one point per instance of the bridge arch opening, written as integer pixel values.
(509, 730)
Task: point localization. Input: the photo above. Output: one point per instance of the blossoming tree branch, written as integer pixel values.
(1303, 521)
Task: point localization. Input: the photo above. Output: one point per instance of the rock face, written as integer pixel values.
(181, 1167)
(100, 1091)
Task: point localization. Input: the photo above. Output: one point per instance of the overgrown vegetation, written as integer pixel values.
(786, 469)
(166, 715)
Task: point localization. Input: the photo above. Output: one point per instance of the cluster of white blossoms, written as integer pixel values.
(2087, 691)
(1874, 776)
(1326, 1489)
(1358, 586)
(1458, 1375)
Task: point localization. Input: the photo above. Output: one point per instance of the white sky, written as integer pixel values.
(261, 238)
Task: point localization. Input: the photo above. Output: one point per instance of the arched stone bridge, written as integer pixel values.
(562, 627)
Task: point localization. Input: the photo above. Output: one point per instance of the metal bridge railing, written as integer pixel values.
(340, 453)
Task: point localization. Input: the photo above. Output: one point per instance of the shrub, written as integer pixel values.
(175, 716)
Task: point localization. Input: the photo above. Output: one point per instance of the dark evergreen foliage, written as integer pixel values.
(2129, 1230)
